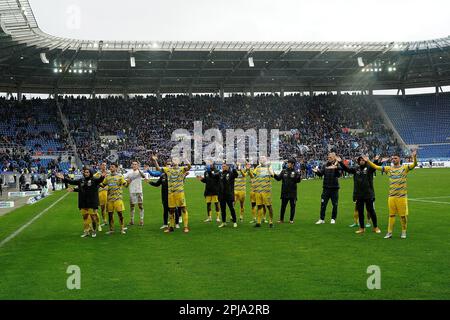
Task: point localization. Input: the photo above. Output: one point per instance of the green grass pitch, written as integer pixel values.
(300, 261)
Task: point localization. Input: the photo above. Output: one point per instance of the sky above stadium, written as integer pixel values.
(245, 20)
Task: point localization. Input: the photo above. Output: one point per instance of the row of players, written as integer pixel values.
(226, 187)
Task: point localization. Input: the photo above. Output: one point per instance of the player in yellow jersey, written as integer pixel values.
(114, 182)
(263, 174)
(102, 196)
(240, 189)
(175, 178)
(398, 195)
(253, 196)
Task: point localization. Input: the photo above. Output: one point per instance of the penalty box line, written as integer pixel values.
(18, 231)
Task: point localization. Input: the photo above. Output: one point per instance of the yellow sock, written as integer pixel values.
(209, 213)
(172, 220)
(391, 223)
(260, 214)
(356, 216)
(86, 224)
(185, 219)
(217, 214)
(242, 212)
(404, 221)
(254, 212)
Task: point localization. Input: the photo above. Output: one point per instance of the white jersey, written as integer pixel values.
(136, 181)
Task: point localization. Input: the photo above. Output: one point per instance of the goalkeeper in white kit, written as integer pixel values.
(134, 179)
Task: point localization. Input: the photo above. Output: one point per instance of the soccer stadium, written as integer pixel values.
(216, 169)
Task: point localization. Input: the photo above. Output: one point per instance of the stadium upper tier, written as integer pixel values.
(33, 61)
(422, 120)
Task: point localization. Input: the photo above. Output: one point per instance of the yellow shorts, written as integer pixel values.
(177, 200)
(87, 211)
(263, 199)
(117, 205)
(239, 196)
(211, 199)
(252, 197)
(103, 197)
(398, 206)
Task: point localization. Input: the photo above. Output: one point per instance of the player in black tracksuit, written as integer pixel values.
(211, 179)
(162, 181)
(88, 202)
(226, 193)
(331, 173)
(363, 191)
(289, 177)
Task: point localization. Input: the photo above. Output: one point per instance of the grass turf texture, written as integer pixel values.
(300, 261)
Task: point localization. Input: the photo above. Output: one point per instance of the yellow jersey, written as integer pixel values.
(175, 179)
(397, 178)
(262, 180)
(240, 182)
(113, 184)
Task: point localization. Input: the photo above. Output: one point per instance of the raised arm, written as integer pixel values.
(373, 165)
(68, 180)
(188, 165)
(155, 161)
(345, 168)
(249, 170)
(414, 164)
(156, 183)
(318, 171)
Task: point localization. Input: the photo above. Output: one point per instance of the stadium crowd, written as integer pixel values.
(312, 126)
(28, 130)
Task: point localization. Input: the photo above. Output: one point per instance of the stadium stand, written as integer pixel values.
(30, 136)
(311, 126)
(422, 120)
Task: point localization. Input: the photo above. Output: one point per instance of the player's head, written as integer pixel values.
(103, 166)
(291, 163)
(135, 165)
(396, 159)
(175, 162)
(146, 166)
(113, 167)
(360, 160)
(331, 157)
(86, 172)
(225, 166)
(263, 160)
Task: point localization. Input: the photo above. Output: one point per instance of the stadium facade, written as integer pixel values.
(35, 62)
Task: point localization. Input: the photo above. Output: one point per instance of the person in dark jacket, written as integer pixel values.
(363, 191)
(289, 177)
(163, 183)
(211, 179)
(87, 188)
(226, 193)
(331, 173)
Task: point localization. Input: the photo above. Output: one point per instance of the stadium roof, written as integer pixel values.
(33, 61)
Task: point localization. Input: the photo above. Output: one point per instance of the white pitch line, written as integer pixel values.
(426, 198)
(15, 233)
(429, 201)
